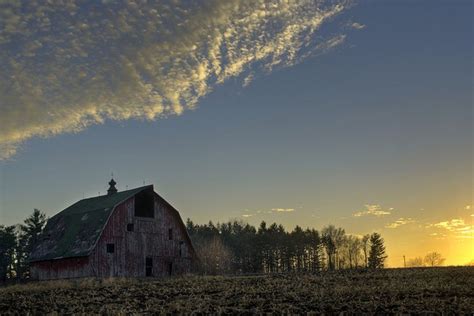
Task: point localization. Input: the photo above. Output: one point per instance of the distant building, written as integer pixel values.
(133, 233)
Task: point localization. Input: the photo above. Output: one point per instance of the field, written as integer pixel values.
(435, 290)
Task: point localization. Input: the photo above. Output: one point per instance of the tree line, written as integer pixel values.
(232, 247)
(238, 247)
(16, 244)
(432, 259)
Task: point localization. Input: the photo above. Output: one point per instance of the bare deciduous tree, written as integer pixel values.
(415, 262)
(332, 238)
(365, 248)
(215, 257)
(434, 259)
(354, 245)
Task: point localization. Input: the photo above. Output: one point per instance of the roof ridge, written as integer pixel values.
(118, 192)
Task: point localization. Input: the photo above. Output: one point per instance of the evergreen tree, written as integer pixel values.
(7, 251)
(297, 239)
(377, 252)
(190, 227)
(28, 238)
(313, 245)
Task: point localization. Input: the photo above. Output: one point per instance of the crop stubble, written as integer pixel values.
(438, 290)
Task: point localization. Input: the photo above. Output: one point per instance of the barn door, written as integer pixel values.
(170, 268)
(148, 266)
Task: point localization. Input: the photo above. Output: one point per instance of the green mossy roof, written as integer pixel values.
(74, 231)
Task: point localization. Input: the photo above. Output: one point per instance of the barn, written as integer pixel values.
(132, 233)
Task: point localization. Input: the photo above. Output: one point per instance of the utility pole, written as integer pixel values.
(404, 262)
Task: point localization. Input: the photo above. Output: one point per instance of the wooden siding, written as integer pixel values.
(149, 239)
(61, 269)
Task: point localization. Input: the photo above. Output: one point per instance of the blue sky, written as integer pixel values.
(380, 122)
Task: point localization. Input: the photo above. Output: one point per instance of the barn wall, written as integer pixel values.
(61, 269)
(149, 239)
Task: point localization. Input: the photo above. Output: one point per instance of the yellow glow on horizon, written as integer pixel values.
(456, 249)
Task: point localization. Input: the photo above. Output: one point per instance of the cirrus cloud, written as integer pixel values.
(67, 65)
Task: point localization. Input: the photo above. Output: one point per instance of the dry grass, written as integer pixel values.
(437, 290)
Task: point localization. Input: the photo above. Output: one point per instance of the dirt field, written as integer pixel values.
(437, 290)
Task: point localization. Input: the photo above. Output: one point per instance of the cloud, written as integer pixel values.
(263, 212)
(373, 210)
(439, 235)
(283, 210)
(248, 79)
(467, 207)
(456, 226)
(69, 65)
(358, 26)
(451, 224)
(399, 222)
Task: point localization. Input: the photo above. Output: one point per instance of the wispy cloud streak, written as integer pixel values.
(280, 210)
(400, 222)
(275, 210)
(456, 226)
(67, 65)
(373, 210)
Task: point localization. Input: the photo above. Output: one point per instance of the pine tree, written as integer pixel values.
(377, 252)
(29, 235)
(7, 251)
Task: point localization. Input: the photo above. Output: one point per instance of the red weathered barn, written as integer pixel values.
(133, 233)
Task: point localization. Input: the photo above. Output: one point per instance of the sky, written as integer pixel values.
(357, 114)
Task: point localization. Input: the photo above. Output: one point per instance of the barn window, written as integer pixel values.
(144, 204)
(110, 248)
(170, 268)
(148, 266)
(130, 227)
(170, 234)
(181, 248)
